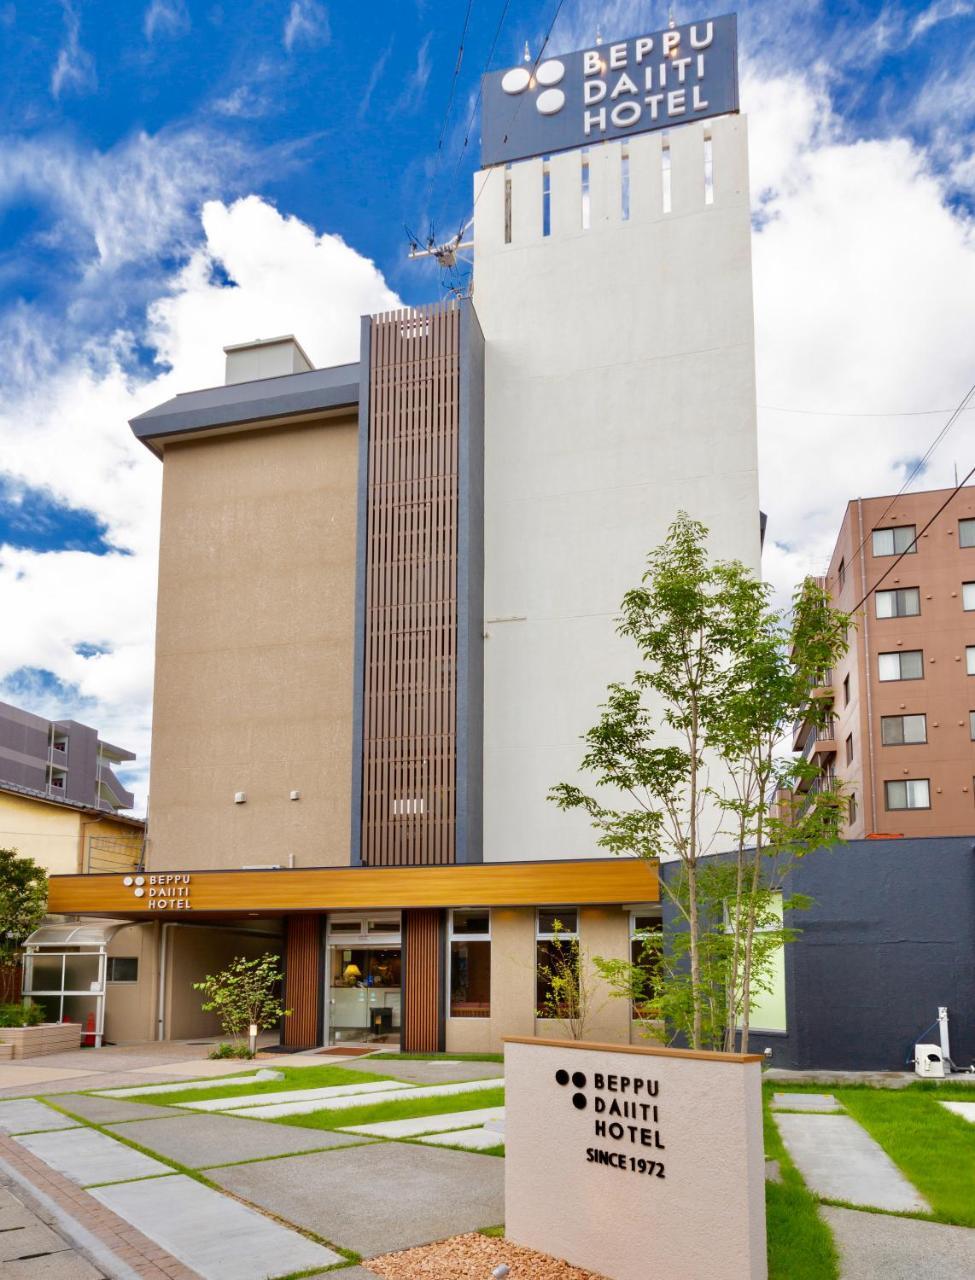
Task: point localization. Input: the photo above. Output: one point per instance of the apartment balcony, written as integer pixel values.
(821, 741)
(111, 794)
(820, 686)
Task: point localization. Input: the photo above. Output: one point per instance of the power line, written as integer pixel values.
(913, 545)
(839, 413)
(477, 100)
(962, 405)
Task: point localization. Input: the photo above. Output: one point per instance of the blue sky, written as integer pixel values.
(176, 174)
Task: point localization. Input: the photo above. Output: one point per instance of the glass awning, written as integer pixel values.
(77, 933)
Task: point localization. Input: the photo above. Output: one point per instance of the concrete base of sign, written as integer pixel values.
(633, 1161)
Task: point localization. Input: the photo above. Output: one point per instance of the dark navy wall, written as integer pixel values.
(890, 936)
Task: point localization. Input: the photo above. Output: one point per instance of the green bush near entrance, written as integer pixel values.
(21, 1015)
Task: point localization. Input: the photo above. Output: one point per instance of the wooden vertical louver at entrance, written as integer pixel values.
(422, 982)
(302, 966)
(409, 731)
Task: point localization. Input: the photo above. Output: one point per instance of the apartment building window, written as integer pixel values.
(846, 691)
(898, 731)
(849, 748)
(970, 659)
(645, 946)
(908, 665)
(971, 725)
(556, 958)
(122, 969)
(852, 807)
(905, 602)
(895, 542)
(841, 574)
(966, 533)
(911, 793)
(470, 963)
(968, 595)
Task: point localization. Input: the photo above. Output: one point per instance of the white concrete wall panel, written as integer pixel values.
(620, 388)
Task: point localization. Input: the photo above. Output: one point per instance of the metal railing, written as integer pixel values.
(104, 854)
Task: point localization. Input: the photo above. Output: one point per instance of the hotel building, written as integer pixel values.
(387, 603)
(902, 732)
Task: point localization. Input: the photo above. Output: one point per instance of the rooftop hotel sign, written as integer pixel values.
(636, 1162)
(655, 81)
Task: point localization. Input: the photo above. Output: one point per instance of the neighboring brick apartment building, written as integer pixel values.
(902, 736)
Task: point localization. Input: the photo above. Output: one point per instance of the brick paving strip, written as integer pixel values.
(120, 1250)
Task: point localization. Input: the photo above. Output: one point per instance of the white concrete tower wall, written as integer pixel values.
(619, 389)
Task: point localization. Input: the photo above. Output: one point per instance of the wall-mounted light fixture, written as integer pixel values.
(240, 797)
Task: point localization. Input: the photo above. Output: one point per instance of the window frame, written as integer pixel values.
(893, 530)
(846, 690)
(900, 654)
(968, 608)
(540, 937)
(905, 742)
(637, 935)
(965, 522)
(969, 654)
(897, 592)
(849, 748)
(110, 962)
(453, 937)
(906, 783)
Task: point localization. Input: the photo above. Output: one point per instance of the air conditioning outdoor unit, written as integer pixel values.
(929, 1061)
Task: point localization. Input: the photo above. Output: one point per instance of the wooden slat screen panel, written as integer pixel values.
(410, 693)
(422, 993)
(302, 969)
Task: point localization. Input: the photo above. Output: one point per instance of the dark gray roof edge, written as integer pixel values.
(243, 402)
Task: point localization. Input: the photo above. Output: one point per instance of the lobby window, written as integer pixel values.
(646, 939)
(966, 533)
(846, 691)
(908, 665)
(894, 542)
(841, 574)
(911, 793)
(899, 731)
(905, 602)
(123, 969)
(970, 659)
(470, 963)
(556, 962)
(849, 748)
(968, 595)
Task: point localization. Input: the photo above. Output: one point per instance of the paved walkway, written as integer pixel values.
(878, 1246)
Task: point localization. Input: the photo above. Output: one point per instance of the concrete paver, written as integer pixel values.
(420, 1071)
(344, 1103)
(87, 1156)
(872, 1245)
(31, 1250)
(216, 1236)
(291, 1095)
(28, 1242)
(18, 1116)
(377, 1198)
(178, 1086)
(428, 1124)
(200, 1141)
(964, 1109)
(805, 1102)
(111, 1110)
(470, 1139)
(839, 1160)
(66, 1265)
(12, 1074)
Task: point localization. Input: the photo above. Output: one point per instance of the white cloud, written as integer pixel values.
(69, 433)
(74, 69)
(306, 23)
(170, 17)
(940, 11)
(416, 82)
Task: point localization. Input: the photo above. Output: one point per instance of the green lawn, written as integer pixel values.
(294, 1078)
(438, 1057)
(398, 1109)
(800, 1244)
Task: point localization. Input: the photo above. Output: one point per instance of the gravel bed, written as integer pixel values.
(474, 1257)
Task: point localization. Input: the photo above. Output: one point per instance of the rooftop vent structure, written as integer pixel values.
(265, 358)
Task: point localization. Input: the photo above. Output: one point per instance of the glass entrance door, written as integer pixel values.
(364, 995)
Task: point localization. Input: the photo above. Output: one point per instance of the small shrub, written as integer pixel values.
(231, 1051)
(21, 1015)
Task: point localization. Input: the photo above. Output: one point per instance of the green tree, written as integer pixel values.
(245, 994)
(687, 752)
(23, 902)
(566, 990)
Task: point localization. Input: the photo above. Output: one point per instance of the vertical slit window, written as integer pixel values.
(546, 197)
(585, 189)
(625, 186)
(708, 170)
(507, 204)
(665, 175)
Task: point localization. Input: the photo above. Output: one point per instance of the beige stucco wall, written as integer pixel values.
(130, 1008)
(254, 649)
(49, 834)
(603, 931)
(192, 953)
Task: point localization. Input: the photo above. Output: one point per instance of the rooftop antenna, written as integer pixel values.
(671, 20)
(445, 253)
(527, 55)
(599, 36)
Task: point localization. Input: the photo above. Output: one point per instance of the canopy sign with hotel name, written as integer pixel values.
(656, 81)
(168, 891)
